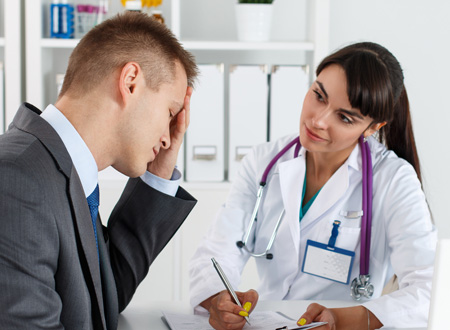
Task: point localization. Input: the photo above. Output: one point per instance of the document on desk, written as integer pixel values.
(259, 321)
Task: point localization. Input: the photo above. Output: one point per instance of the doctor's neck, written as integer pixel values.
(322, 165)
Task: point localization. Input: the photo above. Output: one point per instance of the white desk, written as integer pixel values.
(150, 317)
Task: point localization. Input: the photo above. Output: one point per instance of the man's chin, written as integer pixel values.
(133, 172)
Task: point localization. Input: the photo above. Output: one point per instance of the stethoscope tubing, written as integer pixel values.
(366, 219)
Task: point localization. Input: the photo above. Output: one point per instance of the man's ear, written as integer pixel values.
(128, 79)
(373, 128)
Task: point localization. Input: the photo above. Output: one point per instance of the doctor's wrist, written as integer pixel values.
(206, 304)
(372, 321)
(355, 318)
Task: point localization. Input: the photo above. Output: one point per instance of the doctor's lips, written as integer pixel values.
(313, 136)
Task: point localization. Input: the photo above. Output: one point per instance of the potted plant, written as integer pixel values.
(254, 19)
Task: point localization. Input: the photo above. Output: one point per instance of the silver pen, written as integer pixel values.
(227, 285)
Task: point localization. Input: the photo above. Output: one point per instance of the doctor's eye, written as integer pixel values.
(318, 96)
(345, 119)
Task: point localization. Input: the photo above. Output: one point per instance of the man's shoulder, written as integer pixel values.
(15, 143)
(23, 150)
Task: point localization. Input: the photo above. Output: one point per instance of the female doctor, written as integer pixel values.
(357, 147)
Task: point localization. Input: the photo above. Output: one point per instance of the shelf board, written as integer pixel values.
(206, 45)
(59, 43)
(241, 45)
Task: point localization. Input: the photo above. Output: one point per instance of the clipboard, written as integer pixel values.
(175, 321)
(304, 327)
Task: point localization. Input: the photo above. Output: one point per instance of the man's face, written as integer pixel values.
(146, 129)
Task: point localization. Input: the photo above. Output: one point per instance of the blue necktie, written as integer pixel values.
(93, 202)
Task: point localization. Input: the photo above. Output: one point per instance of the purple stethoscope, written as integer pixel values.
(361, 285)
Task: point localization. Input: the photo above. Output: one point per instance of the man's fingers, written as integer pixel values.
(187, 105)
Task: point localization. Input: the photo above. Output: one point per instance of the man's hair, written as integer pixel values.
(121, 39)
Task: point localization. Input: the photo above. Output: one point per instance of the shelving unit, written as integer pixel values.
(204, 45)
(310, 47)
(300, 39)
(11, 55)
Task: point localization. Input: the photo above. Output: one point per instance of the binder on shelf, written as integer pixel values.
(59, 82)
(2, 100)
(248, 112)
(289, 85)
(62, 23)
(205, 135)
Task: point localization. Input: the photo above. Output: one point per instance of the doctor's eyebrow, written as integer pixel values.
(348, 112)
(322, 88)
(352, 113)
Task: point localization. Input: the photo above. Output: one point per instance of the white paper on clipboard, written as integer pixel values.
(259, 321)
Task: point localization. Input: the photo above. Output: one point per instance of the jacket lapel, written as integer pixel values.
(82, 217)
(333, 190)
(292, 176)
(111, 300)
(28, 119)
(330, 193)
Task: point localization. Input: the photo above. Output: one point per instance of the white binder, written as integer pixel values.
(289, 85)
(248, 112)
(205, 135)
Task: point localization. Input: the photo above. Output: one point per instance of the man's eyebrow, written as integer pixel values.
(322, 89)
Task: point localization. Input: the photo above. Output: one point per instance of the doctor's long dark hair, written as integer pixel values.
(375, 87)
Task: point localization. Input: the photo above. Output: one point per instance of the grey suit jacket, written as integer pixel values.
(50, 277)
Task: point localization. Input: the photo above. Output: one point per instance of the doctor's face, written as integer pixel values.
(328, 123)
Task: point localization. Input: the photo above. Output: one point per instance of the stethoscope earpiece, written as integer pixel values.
(240, 244)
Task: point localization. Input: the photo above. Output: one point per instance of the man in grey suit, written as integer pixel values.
(124, 103)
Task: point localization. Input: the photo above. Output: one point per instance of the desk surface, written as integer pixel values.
(150, 317)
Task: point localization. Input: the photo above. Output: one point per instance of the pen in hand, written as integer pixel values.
(227, 285)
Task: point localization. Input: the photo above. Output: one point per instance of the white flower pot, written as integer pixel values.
(253, 21)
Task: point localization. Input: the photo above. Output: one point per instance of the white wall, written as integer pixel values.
(418, 33)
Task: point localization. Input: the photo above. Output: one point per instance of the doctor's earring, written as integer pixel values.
(365, 139)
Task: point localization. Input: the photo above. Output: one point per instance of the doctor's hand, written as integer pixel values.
(225, 314)
(348, 318)
(318, 313)
(166, 159)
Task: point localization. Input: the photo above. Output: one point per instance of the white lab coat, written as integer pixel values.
(403, 237)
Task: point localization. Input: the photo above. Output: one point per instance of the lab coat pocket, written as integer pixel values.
(349, 232)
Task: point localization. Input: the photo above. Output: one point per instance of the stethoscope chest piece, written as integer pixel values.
(361, 287)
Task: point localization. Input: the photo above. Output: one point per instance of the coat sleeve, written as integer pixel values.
(411, 243)
(140, 226)
(28, 257)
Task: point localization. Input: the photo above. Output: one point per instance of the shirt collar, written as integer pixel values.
(82, 158)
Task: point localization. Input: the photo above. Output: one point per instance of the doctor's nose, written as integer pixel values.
(321, 119)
